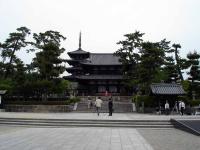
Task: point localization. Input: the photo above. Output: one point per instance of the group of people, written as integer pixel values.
(98, 104)
(179, 107)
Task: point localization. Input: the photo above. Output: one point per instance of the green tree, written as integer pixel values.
(194, 68)
(194, 73)
(2, 69)
(170, 69)
(19, 73)
(6, 84)
(142, 61)
(47, 61)
(181, 63)
(128, 54)
(151, 60)
(15, 42)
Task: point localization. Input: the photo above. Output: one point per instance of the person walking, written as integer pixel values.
(98, 104)
(167, 108)
(181, 107)
(89, 102)
(110, 106)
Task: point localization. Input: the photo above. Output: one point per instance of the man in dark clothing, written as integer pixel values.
(110, 106)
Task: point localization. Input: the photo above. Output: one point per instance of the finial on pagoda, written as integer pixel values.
(80, 40)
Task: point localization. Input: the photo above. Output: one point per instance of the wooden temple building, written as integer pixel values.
(95, 73)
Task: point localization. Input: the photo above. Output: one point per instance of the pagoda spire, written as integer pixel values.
(80, 40)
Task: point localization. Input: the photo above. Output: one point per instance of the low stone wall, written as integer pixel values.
(38, 108)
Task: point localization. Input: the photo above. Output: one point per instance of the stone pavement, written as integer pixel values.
(19, 138)
(98, 138)
(170, 139)
(116, 116)
(74, 139)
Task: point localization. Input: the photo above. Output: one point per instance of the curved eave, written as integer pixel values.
(74, 55)
(78, 52)
(71, 61)
(90, 64)
(71, 53)
(100, 77)
(70, 77)
(169, 93)
(73, 69)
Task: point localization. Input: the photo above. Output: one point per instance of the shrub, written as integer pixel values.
(74, 100)
(36, 102)
(195, 102)
(147, 100)
(19, 102)
(185, 99)
(189, 101)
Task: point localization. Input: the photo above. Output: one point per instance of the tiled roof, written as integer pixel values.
(97, 77)
(102, 59)
(71, 60)
(100, 77)
(79, 51)
(73, 68)
(167, 89)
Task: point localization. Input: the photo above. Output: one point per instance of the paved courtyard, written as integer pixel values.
(116, 116)
(97, 138)
(19, 138)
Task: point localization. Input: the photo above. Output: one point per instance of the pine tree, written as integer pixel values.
(15, 42)
(47, 61)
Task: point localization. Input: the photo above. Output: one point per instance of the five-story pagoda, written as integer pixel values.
(95, 73)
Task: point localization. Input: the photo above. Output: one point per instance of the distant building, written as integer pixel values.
(95, 73)
(167, 92)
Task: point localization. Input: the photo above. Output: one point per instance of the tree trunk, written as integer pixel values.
(10, 62)
(178, 64)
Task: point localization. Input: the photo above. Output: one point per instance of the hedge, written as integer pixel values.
(195, 102)
(149, 101)
(31, 102)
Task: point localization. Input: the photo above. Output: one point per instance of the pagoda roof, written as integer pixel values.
(78, 51)
(167, 89)
(69, 77)
(102, 59)
(71, 60)
(95, 77)
(99, 77)
(73, 68)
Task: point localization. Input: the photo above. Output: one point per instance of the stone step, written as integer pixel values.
(118, 107)
(91, 122)
(86, 123)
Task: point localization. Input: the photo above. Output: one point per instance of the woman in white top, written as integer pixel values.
(167, 108)
(98, 104)
(181, 107)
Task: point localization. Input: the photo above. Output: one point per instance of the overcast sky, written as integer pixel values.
(104, 22)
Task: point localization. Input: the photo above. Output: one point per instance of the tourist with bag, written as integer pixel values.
(98, 104)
